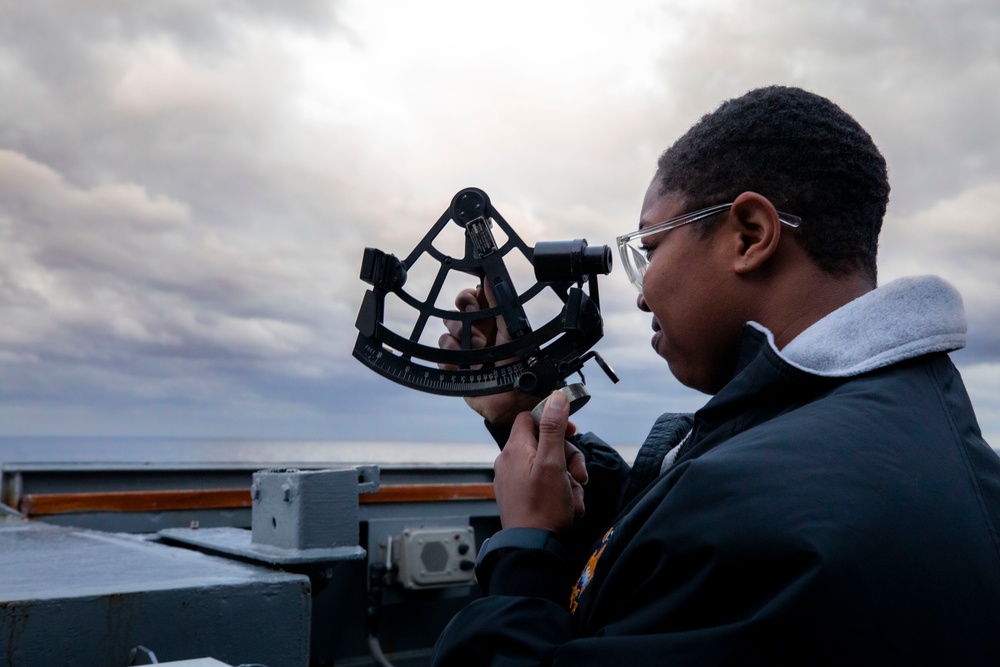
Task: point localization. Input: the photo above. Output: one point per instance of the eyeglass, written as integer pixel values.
(635, 257)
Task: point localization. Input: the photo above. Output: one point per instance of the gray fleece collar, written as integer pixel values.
(901, 320)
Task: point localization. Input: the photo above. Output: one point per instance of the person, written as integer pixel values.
(834, 501)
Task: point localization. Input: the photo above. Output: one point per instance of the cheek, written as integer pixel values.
(658, 288)
(667, 299)
(656, 305)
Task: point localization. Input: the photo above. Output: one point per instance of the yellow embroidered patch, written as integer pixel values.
(588, 572)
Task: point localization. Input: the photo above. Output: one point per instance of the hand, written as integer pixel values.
(495, 408)
(539, 482)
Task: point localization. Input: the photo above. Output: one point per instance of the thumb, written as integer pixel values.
(489, 297)
(552, 430)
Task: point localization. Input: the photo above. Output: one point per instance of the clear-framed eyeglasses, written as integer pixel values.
(635, 254)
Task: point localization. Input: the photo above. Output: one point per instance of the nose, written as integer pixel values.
(640, 303)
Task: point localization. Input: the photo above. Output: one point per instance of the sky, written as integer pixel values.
(186, 187)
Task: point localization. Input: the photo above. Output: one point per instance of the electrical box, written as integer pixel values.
(435, 557)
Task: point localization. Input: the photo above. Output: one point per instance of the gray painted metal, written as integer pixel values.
(237, 542)
(80, 597)
(305, 509)
(298, 517)
(334, 628)
(435, 557)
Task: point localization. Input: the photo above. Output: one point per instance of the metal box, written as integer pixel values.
(434, 557)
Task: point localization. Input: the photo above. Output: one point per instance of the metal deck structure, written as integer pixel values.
(92, 571)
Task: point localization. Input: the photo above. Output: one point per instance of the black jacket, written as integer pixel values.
(807, 518)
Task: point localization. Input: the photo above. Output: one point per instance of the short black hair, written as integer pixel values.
(802, 152)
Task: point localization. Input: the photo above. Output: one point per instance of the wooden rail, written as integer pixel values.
(42, 504)
(428, 493)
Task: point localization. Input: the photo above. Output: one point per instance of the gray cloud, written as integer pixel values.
(921, 76)
(956, 239)
(185, 190)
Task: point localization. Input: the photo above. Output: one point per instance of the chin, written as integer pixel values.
(691, 380)
(680, 374)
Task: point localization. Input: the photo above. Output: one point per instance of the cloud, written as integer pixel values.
(983, 382)
(920, 76)
(47, 201)
(160, 81)
(186, 190)
(115, 277)
(955, 238)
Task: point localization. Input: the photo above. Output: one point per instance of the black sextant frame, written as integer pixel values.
(535, 361)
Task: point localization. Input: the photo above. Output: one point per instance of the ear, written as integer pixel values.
(756, 222)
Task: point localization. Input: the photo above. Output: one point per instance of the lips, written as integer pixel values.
(657, 335)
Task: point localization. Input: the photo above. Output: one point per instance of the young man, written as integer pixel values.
(834, 502)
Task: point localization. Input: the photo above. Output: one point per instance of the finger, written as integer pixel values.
(468, 299)
(579, 509)
(450, 343)
(446, 342)
(484, 300)
(484, 330)
(576, 463)
(485, 295)
(521, 446)
(522, 432)
(489, 300)
(552, 431)
(454, 328)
